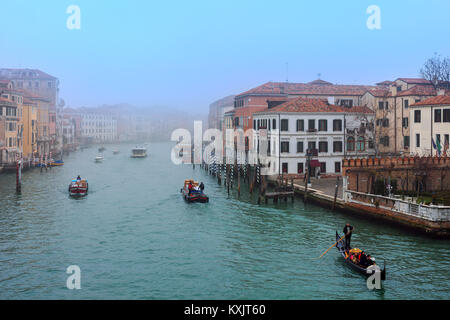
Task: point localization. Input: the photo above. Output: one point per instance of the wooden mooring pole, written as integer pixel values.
(336, 191)
(305, 196)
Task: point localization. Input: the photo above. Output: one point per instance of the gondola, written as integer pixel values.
(340, 245)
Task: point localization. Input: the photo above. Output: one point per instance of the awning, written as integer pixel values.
(314, 163)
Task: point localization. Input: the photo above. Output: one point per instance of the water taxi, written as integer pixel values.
(196, 194)
(78, 187)
(99, 158)
(139, 152)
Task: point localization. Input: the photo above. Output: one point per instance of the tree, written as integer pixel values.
(436, 70)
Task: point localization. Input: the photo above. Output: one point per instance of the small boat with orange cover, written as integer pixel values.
(196, 193)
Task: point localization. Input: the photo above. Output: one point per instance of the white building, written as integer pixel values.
(97, 125)
(303, 123)
(430, 122)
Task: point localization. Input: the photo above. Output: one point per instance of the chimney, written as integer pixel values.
(330, 100)
(441, 92)
(393, 90)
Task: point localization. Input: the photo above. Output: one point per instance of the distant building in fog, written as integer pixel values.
(217, 110)
(96, 125)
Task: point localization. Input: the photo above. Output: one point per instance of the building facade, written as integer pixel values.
(391, 102)
(217, 111)
(330, 132)
(430, 126)
(95, 125)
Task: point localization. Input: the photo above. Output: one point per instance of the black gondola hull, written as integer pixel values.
(340, 245)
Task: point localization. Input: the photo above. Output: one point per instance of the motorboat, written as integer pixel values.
(139, 152)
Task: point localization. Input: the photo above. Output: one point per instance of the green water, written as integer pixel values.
(134, 237)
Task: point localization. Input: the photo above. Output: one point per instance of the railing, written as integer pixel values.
(427, 212)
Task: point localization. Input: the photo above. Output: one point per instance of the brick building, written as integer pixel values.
(411, 174)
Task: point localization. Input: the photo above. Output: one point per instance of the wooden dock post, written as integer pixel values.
(292, 186)
(305, 196)
(18, 177)
(239, 183)
(336, 192)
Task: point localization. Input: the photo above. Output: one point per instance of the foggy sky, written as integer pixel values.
(188, 54)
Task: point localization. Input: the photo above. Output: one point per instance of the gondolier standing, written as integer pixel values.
(348, 229)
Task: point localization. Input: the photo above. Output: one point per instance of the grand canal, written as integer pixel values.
(134, 237)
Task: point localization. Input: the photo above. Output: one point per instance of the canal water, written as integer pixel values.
(134, 237)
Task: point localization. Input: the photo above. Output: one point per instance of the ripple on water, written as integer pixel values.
(134, 237)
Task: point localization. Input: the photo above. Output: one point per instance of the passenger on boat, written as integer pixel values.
(202, 186)
(190, 187)
(348, 229)
(363, 260)
(78, 178)
(370, 260)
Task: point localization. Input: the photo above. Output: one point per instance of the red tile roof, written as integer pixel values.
(247, 111)
(315, 105)
(384, 83)
(418, 90)
(284, 88)
(380, 92)
(438, 100)
(415, 80)
(320, 82)
(10, 73)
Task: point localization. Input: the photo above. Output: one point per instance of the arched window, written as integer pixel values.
(351, 144)
(360, 144)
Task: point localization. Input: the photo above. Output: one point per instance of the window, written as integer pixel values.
(300, 125)
(351, 144)
(405, 122)
(323, 125)
(438, 139)
(385, 122)
(311, 125)
(311, 145)
(49, 84)
(254, 124)
(284, 167)
(323, 146)
(417, 116)
(446, 140)
(417, 140)
(274, 124)
(406, 142)
(337, 125)
(300, 167)
(323, 167)
(437, 115)
(337, 146)
(360, 144)
(337, 167)
(284, 125)
(347, 103)
(299, 146)
(381, 105)
(384, 141)
(399, 88)
(284, 146)
(446, 115)
(406, 104)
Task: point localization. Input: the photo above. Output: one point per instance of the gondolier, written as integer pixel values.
(348, 230)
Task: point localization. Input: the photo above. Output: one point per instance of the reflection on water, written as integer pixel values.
(134, 237)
